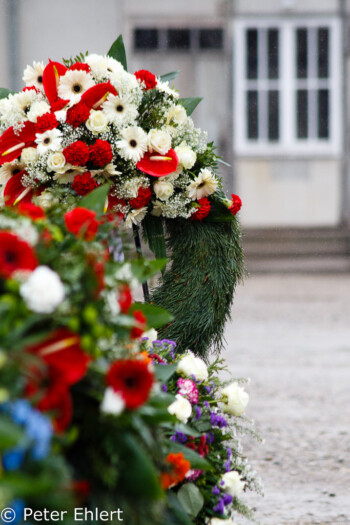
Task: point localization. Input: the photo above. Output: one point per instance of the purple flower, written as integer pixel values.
(198, 412)
(164, 388)
(179, 437)
(216, 490)
(227, 499)
(220, 507)
(229, 452)
(210, 438)
(227, 465)
(208, 389)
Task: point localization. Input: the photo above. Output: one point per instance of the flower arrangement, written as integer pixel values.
(78, 125)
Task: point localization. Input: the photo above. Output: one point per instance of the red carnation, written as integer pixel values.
(202, 211)
(80, 66)
(137, 331)
(101, 153)
(59, 104)
(125, 298)
(82, 223)
(45, 122)
(84, 183)
(131, 379)
(31, 210)
(148, 78)
(15, 255)
(77, 153)
(143, 197)
(29, 88)
(236, 204)
(77, 114)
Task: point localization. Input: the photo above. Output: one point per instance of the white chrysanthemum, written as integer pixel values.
(61, 115)
(181, 408)
(176, 114)
(33, 75)
(97, 122)
(112, 402)
(73, 84)
(49, 140)
(119, 110)
(37, 109)
(43, 291)
(157, 209)
(135, 217)
(29, 155)
(134, 143)
(98, 65)
(187, 157)
(125, 83)
(165, 88)
(113, 66)
(203, 185)
(159, 141)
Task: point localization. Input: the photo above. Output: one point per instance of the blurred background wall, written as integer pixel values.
(274, 76)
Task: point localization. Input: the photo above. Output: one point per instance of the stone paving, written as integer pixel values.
(291, 336)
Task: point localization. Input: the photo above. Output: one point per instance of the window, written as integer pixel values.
(287, 86)
(176, 39)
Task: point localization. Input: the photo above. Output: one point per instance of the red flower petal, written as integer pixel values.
(14, 189)
(97, 94)
(15, 255)
(132, 379)
(11, 144)
(50, 81)
(158, 168)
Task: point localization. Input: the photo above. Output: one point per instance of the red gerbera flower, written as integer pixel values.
(84, 183)
(236, 204)
(138, 330)
(15, 255)
(77, 154)
(82, 223)
(158, 165)
(132, 379)
(31, 210)
(101, 153)
(143, 197)
(202, 211)
(147, 78)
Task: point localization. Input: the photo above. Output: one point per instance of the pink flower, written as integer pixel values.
(188, 388)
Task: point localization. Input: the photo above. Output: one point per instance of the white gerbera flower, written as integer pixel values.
(203, 185)
(33, 75)
(8, 169)
(135, 217)
(134, 143)
(49, 140)
(22, 102)
(43, 291)
(38, 108)
(73, 84)
(67, 173)
(119, 110)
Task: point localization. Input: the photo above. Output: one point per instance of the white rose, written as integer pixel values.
(233, 484)
(187, 157)
(38, 109)
(191, 365)
(29, 155)
(176, 114)
(159, 141)
(45, 200)
(163, 189)
(181, 408)
(56, 161)
(235, 399)
(97, 122)
(43, 291)
(112, 402)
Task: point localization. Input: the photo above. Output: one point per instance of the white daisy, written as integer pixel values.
(73, 84)
(48, 141)
(203, 185)
(165, 88)
(22, 103)
(135, 217)
(7, 170)
(37, 109)
(33, 75)
(119, 110)
(133, 144)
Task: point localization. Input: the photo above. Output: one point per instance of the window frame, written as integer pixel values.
(288, 143)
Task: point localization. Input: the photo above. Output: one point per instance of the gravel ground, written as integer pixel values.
(291, 336)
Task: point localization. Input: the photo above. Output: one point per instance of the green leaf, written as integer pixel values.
(164, 372)
(10, 433)
(96, 199)
(169, 76)
(117, 51)
(203, 424)
(4, 92)
(190, 104)
(197, 462)
(191, 499)
(178, 514)
(219, 213)
(154, 234)
(144, 269)
(184, 429)
(156, 316)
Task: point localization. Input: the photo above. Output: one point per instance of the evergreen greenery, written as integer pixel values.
(199, 284)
